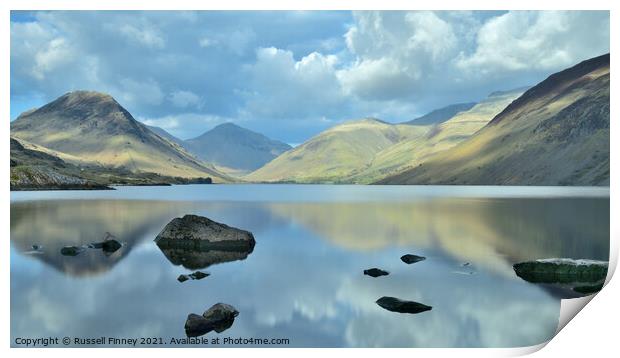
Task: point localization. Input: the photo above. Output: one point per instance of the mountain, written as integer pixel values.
(442, 114)
(92, 128)
(556, 133)
(337, 153)
(438, 137)
(164, 134)
(368, 150)
(232, 147)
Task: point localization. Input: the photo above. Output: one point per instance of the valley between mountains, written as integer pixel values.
(553, 133)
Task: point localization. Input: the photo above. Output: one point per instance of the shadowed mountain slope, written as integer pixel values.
(231, 146)
(556, 133)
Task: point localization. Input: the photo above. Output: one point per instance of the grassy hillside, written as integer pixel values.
(235, 149)
(410, 152)
(91, 127)
(338, 153)
(34, 167)
(556, 133)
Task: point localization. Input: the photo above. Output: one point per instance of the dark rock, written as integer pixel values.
(197, 258)
(588, 289)
(375, 272)
(196, 325)
(221, 315)
(182, 278)
(466, 264)
(198, 232)
(198, 275)
(411, 259)
(110, 246)
(218, 318)
(36, 247)
(396, 305)
(564, 271)
(70, 251)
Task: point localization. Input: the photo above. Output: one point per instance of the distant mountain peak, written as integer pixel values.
(234, 147)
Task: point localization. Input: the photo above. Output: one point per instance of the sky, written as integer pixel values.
(291, 74)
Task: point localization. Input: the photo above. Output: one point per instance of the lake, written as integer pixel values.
(304, 280)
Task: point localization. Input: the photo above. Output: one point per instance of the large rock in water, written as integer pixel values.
(565, 271)
(199, 232)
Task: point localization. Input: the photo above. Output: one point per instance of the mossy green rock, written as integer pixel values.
(566, 271)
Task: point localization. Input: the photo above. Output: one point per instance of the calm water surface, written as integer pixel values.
(304, 280)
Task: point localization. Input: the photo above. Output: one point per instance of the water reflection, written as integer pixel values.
(196, 259)
(304, 279)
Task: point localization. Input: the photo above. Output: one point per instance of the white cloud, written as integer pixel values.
(394, 51)
(136, 92)
(146, 36)
(537, 40)
(280, 86)
(184, 99)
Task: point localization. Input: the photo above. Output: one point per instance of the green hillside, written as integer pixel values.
(338, 153)
(556, 133)
(92, 128)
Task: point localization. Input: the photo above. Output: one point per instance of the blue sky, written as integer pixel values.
(291, 74)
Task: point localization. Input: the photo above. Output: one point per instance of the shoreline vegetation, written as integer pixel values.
(555, 133)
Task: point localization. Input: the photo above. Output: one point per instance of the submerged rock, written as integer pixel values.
(199, 232)
(70, 251)
(375, 272)
(218, 318)
(411, 259)
(198, 275)
(566, 271)
(397, 305)
(108, 245)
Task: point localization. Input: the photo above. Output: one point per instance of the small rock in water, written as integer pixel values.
(36, 247)
(411, 259)
(397, 305)
(219, 318)
(198, 275)
(466, 264)
(110, 246)
(70, 251)
(182, 278)
(375, 272)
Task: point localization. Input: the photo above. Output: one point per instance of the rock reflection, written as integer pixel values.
(196, 258)
(64, 229)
